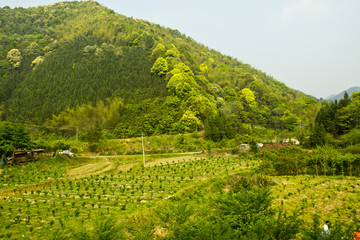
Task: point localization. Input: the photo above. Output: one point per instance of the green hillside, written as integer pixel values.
(58, 62)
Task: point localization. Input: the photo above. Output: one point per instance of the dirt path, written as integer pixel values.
(105, 164)
(171, 160)
(102, 166)
(91, 169)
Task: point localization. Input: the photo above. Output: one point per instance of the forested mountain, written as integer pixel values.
(79, 63)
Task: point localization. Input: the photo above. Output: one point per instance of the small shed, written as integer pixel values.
(24, 156)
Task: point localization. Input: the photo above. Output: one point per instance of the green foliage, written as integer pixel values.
(220, 127)
(2, 111)
(104, 227)
(181, 84)
(189, 122)
(349, 115)
(94, 134)
(324, 160)
(14, 57)
(339, 118)
(141, 229)
(13, 137)
(203, 105)
(241, 211)
(248, 97)
(59, 146)
(82, 81)
(152, 116)
(289, 120)
(352, 137)
(158, 51)
(354, 149)
(105, 114)
(90, 197)
(253, 146)
(160, 67)
(36, 62)
(318, 136)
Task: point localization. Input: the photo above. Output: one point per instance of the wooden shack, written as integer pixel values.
(24, 156)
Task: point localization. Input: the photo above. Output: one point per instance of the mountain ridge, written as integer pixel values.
(340, 95)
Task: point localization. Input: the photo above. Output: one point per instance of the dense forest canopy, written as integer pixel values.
(56, 58)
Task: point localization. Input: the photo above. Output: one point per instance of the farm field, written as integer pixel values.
(40, 196)
(333, 198)
(37, 199)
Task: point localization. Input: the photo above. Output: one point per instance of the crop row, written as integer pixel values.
(34, 209)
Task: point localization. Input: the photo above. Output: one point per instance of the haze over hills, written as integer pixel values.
(79, 60)
(341, 95)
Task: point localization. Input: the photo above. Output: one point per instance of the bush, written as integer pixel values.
(253, 146)
(282, 162)
(243, 138)
(60, 145)
(355, 149)
(104, 228)
(74, 150)
(191, 147)
(93, 147)
(235, 150)
(242, 212)
(43, 144)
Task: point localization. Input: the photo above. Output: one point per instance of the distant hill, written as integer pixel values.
(341, 95)
(56, 59)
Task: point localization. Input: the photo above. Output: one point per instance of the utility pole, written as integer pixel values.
(143, 148)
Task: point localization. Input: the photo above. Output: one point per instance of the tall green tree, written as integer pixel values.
(13, 137)
(289, 121)
(219, 127)
(318, 136)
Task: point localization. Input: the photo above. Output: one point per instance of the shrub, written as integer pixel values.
(74, 150)
(354, 149)
(102, 228)
(93, 147)
(60, 145)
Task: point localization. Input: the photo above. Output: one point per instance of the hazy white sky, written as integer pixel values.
(310, 45)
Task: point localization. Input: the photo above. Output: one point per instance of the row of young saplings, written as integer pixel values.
(19, 178)
(122, 192)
